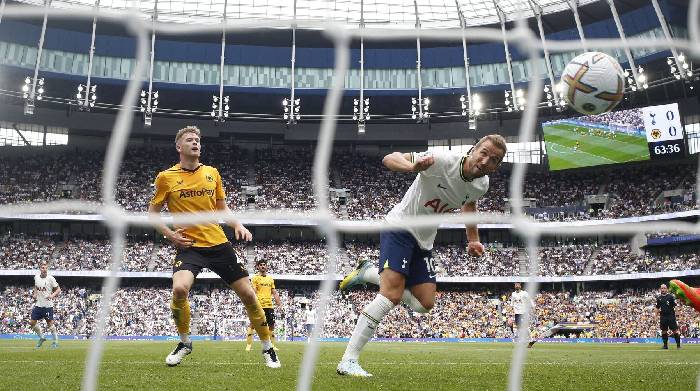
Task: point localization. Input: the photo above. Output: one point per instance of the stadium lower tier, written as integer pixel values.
(282, 180)
(310, 257)
(482, 313)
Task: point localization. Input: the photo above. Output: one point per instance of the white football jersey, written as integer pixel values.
(441, 188)
(519, 299)
(310, 316)
(44, 287)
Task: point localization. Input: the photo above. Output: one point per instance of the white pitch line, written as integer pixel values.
(333, 363)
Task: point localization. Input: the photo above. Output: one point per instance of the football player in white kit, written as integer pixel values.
(45, 290)
(445, 182)
(519, 300)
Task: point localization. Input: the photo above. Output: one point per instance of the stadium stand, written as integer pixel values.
(143, 310)
(284, 181)
(310, 257)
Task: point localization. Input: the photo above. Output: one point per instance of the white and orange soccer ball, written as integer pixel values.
(593, 83)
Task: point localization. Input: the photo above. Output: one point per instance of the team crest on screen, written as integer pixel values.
(655, 133)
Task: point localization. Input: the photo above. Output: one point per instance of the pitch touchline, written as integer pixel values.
(333, 363)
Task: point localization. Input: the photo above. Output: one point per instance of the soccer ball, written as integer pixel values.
(593, 83)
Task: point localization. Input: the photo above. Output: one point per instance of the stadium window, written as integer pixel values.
(692, 131)
(12, 134)
(438, 145)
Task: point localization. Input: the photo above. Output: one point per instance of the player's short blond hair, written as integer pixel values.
(187, 129)
(497, 140)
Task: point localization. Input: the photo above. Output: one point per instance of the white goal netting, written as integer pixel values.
(528, 42)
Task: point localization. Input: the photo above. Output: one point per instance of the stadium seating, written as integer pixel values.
(143, 310)
(309, 258)
(284, 180)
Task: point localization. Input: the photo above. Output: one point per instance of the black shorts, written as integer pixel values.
(220, 259)
(39, 313)
(668, 322)
(270, 317)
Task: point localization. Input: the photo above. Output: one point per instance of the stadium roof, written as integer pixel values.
(376, 13)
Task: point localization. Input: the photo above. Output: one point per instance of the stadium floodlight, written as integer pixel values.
(32, 90)
(291, 110)
(559, 100)
(555, 97)
(631, 82)
(514, 101)
(219, 108)
(472, 109)
(420, 109)
(686, 69)
(642, 81)
(360, 113)
(149, 105)
(87, 101)
(476, 105)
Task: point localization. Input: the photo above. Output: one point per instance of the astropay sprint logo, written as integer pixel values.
(197, 193)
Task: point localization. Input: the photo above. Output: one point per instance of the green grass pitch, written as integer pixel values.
(139, 365)
(561, 138)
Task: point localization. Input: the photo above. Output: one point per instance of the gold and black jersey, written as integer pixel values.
(263, 289)
(188, 191)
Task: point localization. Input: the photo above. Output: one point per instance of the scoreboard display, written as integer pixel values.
(664, 131)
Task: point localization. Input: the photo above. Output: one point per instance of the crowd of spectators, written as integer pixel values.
(634, 190)
(27, 252)
(284, 180)
(631, 117)
(564, 260)
(457, 313)
(621, 259)
(311, 257)
(22, 251)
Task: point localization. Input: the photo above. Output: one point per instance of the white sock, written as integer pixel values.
(411, 301)
(367, 322)
(54, 332)
(37, 330)
(185, 338)
(371, 275)
(267, 344)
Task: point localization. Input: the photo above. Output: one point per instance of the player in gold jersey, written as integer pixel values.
(190, 187)
(264, 286)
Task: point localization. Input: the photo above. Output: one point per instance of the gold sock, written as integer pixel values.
(249, 336)
(258, 321)
(181, 314)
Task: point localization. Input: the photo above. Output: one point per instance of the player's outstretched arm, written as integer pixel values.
(474, 248)
(401, 162)
(239, 230)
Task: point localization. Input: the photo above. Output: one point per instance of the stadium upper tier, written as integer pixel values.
(256, 62)
(281, 179)
(379, 13)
